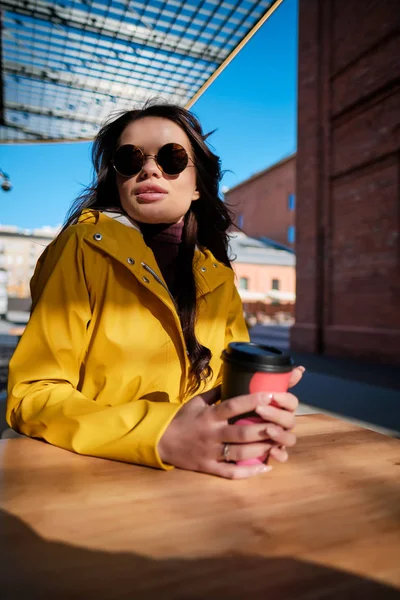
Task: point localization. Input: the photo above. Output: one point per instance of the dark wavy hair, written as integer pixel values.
(205, 224)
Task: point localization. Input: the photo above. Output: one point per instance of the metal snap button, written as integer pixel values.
(215, 265)
(98, 237)
(146, 280)
(203, 269)
(130, 261)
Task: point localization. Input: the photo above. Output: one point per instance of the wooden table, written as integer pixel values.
(325, 525)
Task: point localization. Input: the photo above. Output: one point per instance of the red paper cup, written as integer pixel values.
(250, 368)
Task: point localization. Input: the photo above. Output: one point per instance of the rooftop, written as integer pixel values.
(257, 252)
(42, 232)
(261, 173)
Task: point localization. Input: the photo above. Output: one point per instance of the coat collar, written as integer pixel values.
(121, 218)
(120, 237)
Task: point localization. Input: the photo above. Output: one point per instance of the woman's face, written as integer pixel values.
(176, 192)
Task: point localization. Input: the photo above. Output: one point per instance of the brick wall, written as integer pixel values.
(348, 179)
(262, 201)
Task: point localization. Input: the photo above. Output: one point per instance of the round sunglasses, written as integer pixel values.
(171, 158)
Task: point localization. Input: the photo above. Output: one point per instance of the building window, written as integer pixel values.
(240, 221)
(275, 284)
(291, 234)
(291, 201)
(244, 283)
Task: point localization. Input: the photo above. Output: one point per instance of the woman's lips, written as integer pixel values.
(149, 197)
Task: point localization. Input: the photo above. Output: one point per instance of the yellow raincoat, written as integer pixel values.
(101, 368)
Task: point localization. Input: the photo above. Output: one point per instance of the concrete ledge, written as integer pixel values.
(371, 406)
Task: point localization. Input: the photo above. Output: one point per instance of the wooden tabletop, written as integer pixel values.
(324, 525)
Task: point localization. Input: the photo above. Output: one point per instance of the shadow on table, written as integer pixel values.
(34, 568)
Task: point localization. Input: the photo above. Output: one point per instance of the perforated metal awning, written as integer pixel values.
(67, 65)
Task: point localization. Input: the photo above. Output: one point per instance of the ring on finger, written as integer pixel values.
(225, 452)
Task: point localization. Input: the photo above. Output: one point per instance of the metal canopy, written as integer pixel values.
(67, 65)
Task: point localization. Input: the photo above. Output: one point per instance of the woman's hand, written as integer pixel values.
(196, 438)
(279, 452)
(297, 374)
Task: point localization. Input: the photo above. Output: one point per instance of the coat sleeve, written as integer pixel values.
(43, 397)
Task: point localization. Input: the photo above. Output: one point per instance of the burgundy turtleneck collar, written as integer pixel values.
(164, 241)
(169, 233)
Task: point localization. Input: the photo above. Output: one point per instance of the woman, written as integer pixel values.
(132, 305)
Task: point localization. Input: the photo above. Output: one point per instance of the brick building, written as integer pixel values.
(264, 204)
(348, 179)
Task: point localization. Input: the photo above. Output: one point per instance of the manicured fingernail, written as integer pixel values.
(266, 400)
(272, 431)
(302, 369)
(265, 469)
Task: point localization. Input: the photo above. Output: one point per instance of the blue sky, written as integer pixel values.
(252, 105)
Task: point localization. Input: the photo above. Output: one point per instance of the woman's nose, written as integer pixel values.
(150, 167)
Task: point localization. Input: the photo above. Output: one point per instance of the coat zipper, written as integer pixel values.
(160, 281)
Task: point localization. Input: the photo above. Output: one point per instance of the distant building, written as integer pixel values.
(264, 273)
(19, 251)
(265, 204)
